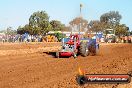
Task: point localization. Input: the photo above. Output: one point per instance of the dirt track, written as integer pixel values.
(39, 70)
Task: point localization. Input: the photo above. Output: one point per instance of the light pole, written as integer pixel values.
(81, 10)
(80, 17)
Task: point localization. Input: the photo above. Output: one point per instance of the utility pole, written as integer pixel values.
(80, 17)
(81, 10)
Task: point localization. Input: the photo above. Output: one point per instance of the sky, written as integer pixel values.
(16, 13)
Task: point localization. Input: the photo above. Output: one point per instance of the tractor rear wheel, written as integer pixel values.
(92, 49)
(84, 49)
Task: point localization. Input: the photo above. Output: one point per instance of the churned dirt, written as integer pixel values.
(25, 65)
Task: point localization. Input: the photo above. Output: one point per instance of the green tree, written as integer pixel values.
(26, 29)
(95, 26)
(39, 21)
(57, 25)
(66, 28)
(121, 30)
(20, 30)
(111, 18)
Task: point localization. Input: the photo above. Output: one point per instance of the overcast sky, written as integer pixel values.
(17, 12)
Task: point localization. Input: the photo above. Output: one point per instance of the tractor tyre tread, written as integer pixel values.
(83, 48)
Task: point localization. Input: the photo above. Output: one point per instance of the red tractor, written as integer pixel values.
(75, 45)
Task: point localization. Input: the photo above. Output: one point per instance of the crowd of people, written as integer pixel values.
(38, 38)
(21, 38)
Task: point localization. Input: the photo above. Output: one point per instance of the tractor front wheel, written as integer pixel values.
(57, 55)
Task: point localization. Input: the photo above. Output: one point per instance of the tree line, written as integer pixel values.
(39, 24)
(109, 20)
